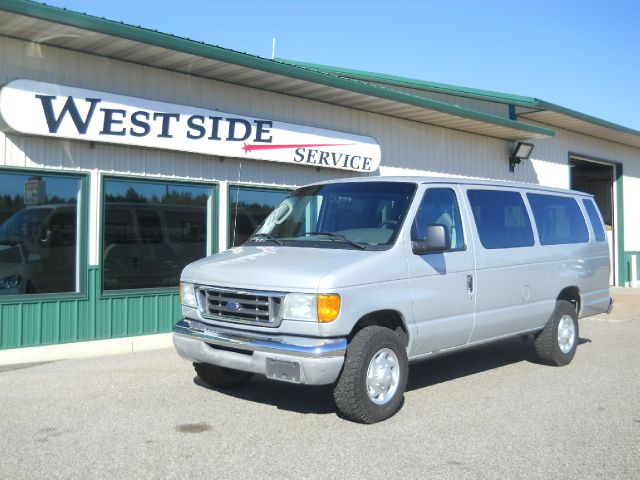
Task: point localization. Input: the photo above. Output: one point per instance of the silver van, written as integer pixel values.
(346, 282)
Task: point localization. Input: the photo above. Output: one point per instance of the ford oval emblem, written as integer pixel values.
(233, 306)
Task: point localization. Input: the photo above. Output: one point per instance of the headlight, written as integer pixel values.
(12, 281)
(311, 308)
(300, 306)
(188, 294)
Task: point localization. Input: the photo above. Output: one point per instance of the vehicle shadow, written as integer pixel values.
(476, 360)
(306, 399)
(318, 400)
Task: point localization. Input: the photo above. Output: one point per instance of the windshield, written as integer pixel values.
(353, 215)
(22, 225)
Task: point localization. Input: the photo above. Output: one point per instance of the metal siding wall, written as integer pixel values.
(407, 148)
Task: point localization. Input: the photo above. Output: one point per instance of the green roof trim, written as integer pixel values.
(201, 49)
(475, 93)
(478, 94)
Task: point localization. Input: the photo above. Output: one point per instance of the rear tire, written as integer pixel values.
(372, 383)
(556, 344)
(221, 377)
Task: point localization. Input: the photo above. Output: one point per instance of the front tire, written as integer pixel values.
(221, 377)
(556, 344)
(372, 383)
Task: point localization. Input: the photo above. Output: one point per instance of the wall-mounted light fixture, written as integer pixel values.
(521, 151)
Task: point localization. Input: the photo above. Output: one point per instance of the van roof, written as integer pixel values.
(458, 180)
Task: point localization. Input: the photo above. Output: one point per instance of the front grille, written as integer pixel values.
(240, 306)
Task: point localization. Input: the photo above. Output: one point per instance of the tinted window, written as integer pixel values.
(594, 218)
(38, 234)
(558, 219)
(248, 207)
(151, 231)
(501, 218)
(440, 207)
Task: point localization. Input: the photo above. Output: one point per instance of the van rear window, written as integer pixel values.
(501, 218)
(559, 219)
(594, 218)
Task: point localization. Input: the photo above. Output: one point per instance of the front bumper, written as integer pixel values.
(317, 361)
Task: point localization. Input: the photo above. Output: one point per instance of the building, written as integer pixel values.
(127, 153)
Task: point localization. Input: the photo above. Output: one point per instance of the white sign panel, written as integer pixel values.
(50, 110)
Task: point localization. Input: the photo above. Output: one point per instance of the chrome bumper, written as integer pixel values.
(318, 360)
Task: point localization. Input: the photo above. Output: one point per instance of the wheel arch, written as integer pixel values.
(571, 294)
(391, 319)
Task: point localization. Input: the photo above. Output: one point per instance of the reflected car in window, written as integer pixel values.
(147, 245)
(38, 250)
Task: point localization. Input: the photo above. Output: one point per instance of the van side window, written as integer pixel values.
(594, 218)
(440, 207)
(501, 218)
(559, 219)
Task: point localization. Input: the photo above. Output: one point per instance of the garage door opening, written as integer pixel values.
(597, 179)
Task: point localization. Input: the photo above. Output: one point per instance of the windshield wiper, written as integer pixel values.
(337, 236)
(267, 236)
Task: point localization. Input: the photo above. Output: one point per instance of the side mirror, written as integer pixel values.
(436, 239)
(48, 237)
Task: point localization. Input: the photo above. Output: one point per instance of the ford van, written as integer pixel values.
(348, 282)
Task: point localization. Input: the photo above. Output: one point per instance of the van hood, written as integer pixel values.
(302, 269)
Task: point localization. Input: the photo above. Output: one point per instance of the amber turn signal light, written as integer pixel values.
(328, 307)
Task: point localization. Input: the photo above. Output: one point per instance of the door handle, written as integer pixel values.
(470, 283)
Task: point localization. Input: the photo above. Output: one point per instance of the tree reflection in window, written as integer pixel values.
(248, 207)
(38, 233)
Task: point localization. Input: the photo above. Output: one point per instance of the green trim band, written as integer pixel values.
(625, 267)
(622, 267)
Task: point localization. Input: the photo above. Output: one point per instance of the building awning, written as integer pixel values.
(58, 27)
(530, 108)
(557, 116)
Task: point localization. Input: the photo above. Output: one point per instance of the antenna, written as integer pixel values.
(235, 216)
(273, 48)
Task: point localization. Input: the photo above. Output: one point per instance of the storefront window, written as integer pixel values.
(151, 231)
(248, 207)
(38, 234)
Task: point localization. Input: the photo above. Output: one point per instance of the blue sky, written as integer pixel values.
(581, 54)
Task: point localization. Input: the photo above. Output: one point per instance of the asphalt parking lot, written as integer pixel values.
(487, 413)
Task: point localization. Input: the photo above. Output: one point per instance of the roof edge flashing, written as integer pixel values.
(587, 118)
(448, 89)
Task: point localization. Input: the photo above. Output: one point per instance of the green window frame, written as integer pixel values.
(81, 239)
(211, 230)
(234, 206)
